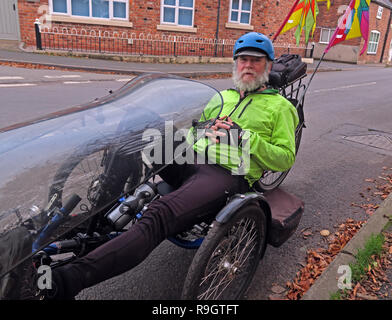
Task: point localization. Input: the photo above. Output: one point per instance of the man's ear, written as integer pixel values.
(269, 66)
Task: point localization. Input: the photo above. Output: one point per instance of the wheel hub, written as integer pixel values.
(230, 267)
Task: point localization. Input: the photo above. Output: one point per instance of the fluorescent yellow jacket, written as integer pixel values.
(269, 121)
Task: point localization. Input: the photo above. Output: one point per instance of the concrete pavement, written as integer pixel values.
(105, 63)
(327, 282)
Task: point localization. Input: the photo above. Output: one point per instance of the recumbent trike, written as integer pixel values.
(92, 160)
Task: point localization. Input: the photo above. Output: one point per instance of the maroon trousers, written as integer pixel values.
(201, 191)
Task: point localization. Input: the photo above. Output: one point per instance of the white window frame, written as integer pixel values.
(239, 10)
(69, 10)
(379, 12)
(373, 42)
(177, 8)
(330, 31)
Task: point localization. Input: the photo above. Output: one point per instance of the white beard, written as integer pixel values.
(258, 82)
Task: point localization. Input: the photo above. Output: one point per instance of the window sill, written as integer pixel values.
(239, 26)
(83, 20)
(165, 27)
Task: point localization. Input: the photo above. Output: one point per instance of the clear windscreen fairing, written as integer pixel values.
(57, 172)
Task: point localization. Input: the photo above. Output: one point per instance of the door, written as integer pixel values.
(9, 28)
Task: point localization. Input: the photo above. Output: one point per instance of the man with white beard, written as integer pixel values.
(258, 114)
(250, 71)
(262, 119)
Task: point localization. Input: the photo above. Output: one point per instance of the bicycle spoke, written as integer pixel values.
(229, 259)
(218, 286)
(215, 287)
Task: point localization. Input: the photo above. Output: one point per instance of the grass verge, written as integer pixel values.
(365, 258)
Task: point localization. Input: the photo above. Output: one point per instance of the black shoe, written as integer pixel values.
(40, 288)
(21, 283)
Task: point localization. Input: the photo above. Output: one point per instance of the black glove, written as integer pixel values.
(232, 135)
(235, 134)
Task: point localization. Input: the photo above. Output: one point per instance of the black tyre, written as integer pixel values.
(78, 174)
(272, 179)
(96, 175)
(226, 261)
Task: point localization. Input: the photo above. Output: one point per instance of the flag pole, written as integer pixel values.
(311, 77)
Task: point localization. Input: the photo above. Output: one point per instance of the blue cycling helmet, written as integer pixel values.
(254, 41)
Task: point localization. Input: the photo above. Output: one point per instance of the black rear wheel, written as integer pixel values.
(272, 179)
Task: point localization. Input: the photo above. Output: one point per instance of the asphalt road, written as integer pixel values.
(27, 94)
(348, 139)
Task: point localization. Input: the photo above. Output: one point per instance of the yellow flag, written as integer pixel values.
(328, 3)
(294, 18)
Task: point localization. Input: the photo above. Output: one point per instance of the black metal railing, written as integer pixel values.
(142, 45)
(165, 46)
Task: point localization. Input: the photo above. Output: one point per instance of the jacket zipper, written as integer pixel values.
(236, 106)
(243, 109)
(239, 102)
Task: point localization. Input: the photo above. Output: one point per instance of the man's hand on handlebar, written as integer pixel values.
(223, 127)
(219, 129)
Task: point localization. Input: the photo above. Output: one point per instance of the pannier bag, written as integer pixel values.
(286, 69)
(286, 213)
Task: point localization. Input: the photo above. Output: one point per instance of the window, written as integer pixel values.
(379, 12)
(240, 11)
(373, 42)
(106, 9)
(177, 12)
(325, 35)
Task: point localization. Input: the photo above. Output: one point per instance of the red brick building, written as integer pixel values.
(177, 27)
(379, 48)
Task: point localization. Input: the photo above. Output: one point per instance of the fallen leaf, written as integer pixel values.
(356, 289)
(369, 212)
(278, 289)
(366, 296)
(307, 234)
(325, 233)
(318, 259)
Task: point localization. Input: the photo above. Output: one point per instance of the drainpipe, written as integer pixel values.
(38, 34)
(386, 35)
(217, 29)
